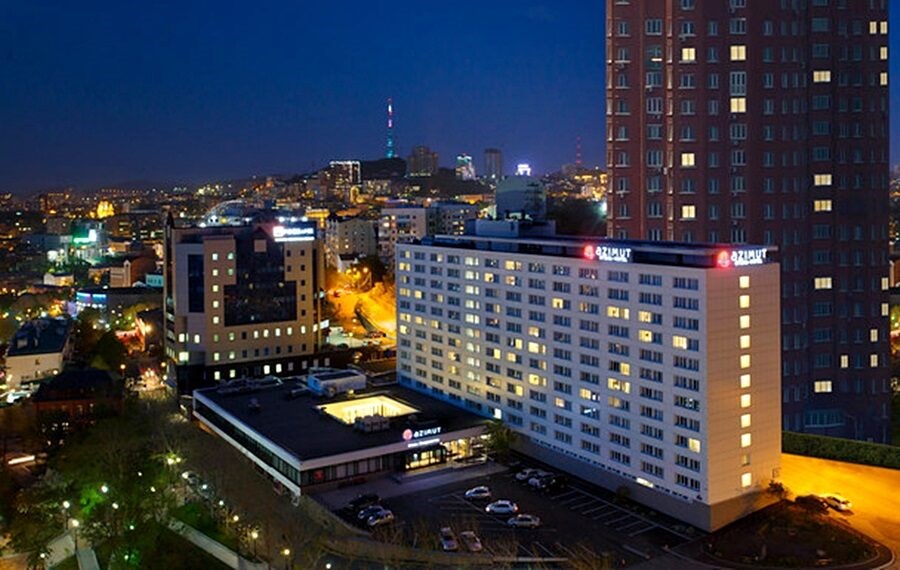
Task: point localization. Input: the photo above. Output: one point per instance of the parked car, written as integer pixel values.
(471, 540)
(526, 474)
(538, 480)
(837, 502)
(363, 501)
(524, 521)
(366, 513)
(448, 540)
(535, 474)
(205, 491)
(479, 492)
(382, 517)
(551, 483)
(502, 507)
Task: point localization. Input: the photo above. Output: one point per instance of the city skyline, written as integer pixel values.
(188, 95)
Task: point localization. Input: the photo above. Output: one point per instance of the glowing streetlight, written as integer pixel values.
(286, 552)
(235, 518)
(104, 489)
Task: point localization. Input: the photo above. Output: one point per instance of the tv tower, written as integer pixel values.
(390, 128)
(578, 151)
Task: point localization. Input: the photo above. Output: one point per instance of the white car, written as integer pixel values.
(502, 507)
(524, 521)
(480, 492)
(383, 517)
(448, 540)
(471, 540)
(837, 502)
(526, 474)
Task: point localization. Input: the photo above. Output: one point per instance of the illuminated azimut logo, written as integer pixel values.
(741, 257)
(608, 253)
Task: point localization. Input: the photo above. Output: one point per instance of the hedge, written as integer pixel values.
(841, 449)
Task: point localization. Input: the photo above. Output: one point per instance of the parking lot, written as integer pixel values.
(579, 522)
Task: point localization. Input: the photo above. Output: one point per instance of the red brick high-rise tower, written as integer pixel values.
(766, 121)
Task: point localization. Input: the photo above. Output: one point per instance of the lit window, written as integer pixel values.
(884, 27)
(822, 283)
(746, 480)
(625, 369)
(745, 321)
(822, 180)
(688, 55)
(688, 212)
(215, 288)
(216, 356)
(885, 283)
(745, 400)
(745, 420)
(885, 309)
(822, 205)
(744, 301)
(845, 361)
(216, 320)
(873, 27)
(694, 445)
(745, 361)
(822, 76)
(873, 361)
(745, 341)
(883, 78)
(738, 53)
(744, 282)
(746, 440)
(680, 342)
(183, 356)
(687, 159)
(215, 272)
(738, 104)
(745, 380)
(215, 304)
(215, 257)
(822, 386)
(182, 337)
(884, 53)
(873, 335)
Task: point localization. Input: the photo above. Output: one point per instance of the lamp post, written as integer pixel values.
(75, 524)
(65, 506)
(254, 534)
(287, 553)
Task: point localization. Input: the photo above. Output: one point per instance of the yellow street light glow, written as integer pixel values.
(66, 504)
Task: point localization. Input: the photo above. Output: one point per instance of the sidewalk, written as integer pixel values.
(215, 549)
(87, 559)
(388, 486)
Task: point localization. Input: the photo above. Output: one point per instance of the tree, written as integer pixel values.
(109, 352)
(501, 438)
(577, 217)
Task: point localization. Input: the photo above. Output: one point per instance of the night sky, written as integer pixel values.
(95, 93)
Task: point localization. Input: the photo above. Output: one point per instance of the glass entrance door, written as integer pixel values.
(425, 457)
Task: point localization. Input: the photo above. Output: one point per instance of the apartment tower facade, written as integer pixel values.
(766, 121)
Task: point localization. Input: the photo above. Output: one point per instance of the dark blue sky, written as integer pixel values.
(96, 92)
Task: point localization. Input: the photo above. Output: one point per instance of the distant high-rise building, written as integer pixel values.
(752, 121)
(343, 179)
(422, 162)
(241, 300)
(465, 168)
(493, 164)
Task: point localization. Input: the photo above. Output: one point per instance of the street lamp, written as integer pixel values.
(254, 534)
(65, 506)
(104, 489)
(287, 553)
(75, 524)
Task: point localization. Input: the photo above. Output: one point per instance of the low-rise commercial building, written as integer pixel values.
(38, 350)
(305, 442)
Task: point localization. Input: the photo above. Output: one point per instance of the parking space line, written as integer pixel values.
(570, 500)
(623, 528)
(594, 509)
(566, 494)
(675, 532)
(637, 532)
(549, 552)
(612, 521)
(604, 514)
(579, 506)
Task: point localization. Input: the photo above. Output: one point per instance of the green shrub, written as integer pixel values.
(849, 450)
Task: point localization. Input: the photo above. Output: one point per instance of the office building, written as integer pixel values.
(422, 162)
(242, 301)
(766, 122)
(403, 224)
(493, 164)
(651, 366)
(343, 179)
(349, 236)
(38, 350)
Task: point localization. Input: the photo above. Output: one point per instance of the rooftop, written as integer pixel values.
(701, 255)
(298, 425)
(86, 384)
(40, 336)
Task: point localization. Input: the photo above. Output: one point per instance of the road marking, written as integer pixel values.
(676, 533)
(545, 549)
(566, 494)
(580, 506)
(637, 532)
(611, 521)
(595, 509)
(623, 528)
(570, 500)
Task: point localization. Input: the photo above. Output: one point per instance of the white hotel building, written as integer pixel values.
(653, 366)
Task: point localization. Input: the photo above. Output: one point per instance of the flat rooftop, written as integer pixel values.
(299, 425)
(40, 336)
(601, 249)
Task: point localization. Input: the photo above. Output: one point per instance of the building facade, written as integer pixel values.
(493, 164)
(422, 162)
(353, 236)
(241, 301)
(650, 366)
(752, 121)
(404, 224)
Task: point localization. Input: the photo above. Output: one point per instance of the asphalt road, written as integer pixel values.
(872, 490)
